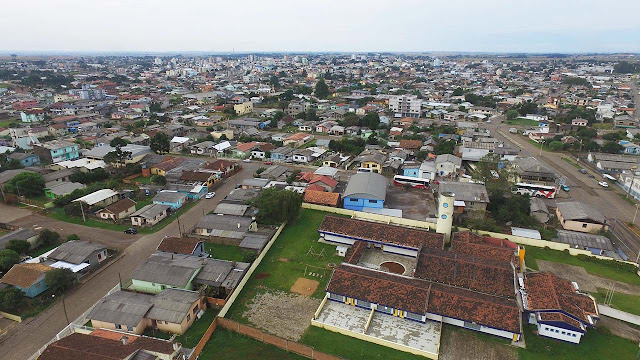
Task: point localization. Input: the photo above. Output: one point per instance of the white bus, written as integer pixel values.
(413, 181)
(546, 191)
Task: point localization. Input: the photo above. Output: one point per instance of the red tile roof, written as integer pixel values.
(410, 144)
(321, 197)
(221, 165)
(546, 291)
(484, 247)
(381, 233)
(179, 245)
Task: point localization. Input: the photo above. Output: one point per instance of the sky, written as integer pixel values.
(565, 26)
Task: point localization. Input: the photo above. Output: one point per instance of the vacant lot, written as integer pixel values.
(225, 344)
(416, 204)
(224, 252)
(607, 269)
(460, 344)
(283, 314)
(523, 122)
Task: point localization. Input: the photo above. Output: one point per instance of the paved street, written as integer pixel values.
(583, 188)
(29, 336)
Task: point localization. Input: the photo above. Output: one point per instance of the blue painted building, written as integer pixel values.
(174, 199)
(629, 147)
(365, 190)
(25, 159)
(28, 278)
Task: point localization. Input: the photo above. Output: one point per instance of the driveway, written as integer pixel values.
(33, 333)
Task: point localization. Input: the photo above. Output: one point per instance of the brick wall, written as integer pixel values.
(203, 341)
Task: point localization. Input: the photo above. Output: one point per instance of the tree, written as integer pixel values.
(158, 179)
(73, 237)
(611, 147)
(274, 81)
(160, 143)
(591, 146)
(8, 258)
(48, 237)
(422, 155)
(350, 119)
(322, 90)
(26, 184)
(59, 280)
(494, 174)
(587, 133)
(556, 145)
(458, 91)
(118, 141)
(512, 114)
(11, 299)
(527, 107)
(371, 120)
(19, 246)
(277, 206)
(117, 156)
(444, 147)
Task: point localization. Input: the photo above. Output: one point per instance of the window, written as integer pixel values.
(413, 316)
(130, 328)
(188, 317)
(564, 333)
(363, 303)
(118, 326)
(195, 309)
(373, 201)
(574, 335)
(336, 297)
(584, 225)
(385, 309)
(470, 325)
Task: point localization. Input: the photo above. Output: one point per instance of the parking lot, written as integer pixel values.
(417, 204)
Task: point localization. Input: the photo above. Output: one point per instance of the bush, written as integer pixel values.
(19, 246)
(11, 299)
(8, 258)
(73, 237)
(248, 256)
(610, 263)
(48, 237)
(158, 180)
(76, 209)
(59, 280)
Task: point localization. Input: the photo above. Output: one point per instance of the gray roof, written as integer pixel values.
(448, 158)
(7, 175)
(584, 240)
(172, 305)
(169, 196)
(57, 175)
(241, 195)
(101, 151)
(75, 251)
(169, 269)
(254, 242)
(532, 167)
(150, 211)
(574, 210)
(64, 188)
(465, 191)
(538, 205)
(231, 209)
(221, 273)
(255, 182)
(367, 185)
(274, 171)
(225, 225)
(122, 308)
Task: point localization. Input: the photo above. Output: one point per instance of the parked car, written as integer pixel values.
(565, 188)
(268, 162)
(131, 231)
(583, 171)
(590, 176)
(210, 195)
(603, 184)
(247, 160)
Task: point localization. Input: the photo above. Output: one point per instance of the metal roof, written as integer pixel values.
(122, 308)
(584, 240)
(224, 223)
(231, 209)
(98, 196)
(367, 185)
(75, 251)
(169, 269)
(254, 242)
(172, 305)
(574, 210)
(465, 191)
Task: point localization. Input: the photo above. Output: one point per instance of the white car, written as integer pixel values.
(247, 160)
(210, 195)
(603, 184)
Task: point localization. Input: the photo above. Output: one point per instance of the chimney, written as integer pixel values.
(124, 340)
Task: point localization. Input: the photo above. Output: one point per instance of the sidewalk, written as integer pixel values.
(617, 314)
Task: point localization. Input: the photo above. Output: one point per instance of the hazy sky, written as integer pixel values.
(328, 25)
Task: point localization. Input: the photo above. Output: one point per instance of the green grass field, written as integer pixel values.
(142, 180)
(6, 123)
(292, 246)
(142, 203)
(603, 126)
(224, 252)
(351, 348)
(225, 344)
(623, 302)
(597, 344)
(573, 163)
(523, 122)
(607, 269)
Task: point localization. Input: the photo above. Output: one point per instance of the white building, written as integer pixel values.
(406, 105)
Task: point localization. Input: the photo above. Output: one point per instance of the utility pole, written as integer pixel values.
(64, 307)
(633, 178)
(634, 215)
(82, 209)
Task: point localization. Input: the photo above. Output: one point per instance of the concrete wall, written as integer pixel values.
(138, 329)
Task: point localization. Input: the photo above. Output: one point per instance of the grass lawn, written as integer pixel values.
(293, 244)
(351, 348)
(623, 302)
(191, 338)
(6, 123)
(142, 203)
(597, 344)
(42, 249)
(58, 214)
(523, 122)
(603, 126)
(224, 252)
(607, 269)
(142, 179)
(230, 345)
(537, 145)
(309, 144)
(573, 163)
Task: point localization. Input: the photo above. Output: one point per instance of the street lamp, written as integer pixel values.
(633, 177)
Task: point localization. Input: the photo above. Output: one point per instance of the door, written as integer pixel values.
(154, 324)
